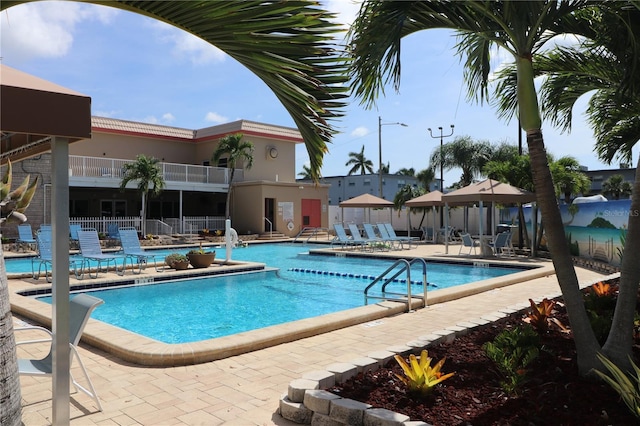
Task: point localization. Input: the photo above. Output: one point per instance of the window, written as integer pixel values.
(352, 183)
(367, 182)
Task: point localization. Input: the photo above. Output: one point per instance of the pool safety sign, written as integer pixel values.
(285, 209)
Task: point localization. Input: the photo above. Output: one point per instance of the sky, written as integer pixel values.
(136, 68)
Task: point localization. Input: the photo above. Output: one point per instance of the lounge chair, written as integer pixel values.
(80, 309)
(113, 231)
(25, 240)
(342, 238)
(132, 250)
(45, 257)
(469, 242)
(90, 250)
(392, 234)
(394, 243)
(501, 244)
(355, 236)
(73, 234)
(427, 234)
(376, 241)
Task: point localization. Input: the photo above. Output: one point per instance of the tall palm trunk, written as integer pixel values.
(232, 172)
(586, 343)
(10, 398)
(619, 342)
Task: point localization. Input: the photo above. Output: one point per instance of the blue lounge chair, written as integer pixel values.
(393, 236)
(80, 309)
(90, 250)
(355, 236)
(113, 231)
(501, 244)
(132, 251)
(45, 257)
(376, 241)
(467, 241)
(343, 239)
(25, 240)
(73, 234)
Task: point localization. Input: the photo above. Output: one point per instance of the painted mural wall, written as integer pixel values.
(594, 230)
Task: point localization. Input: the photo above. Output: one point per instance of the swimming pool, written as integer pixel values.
(306, 285)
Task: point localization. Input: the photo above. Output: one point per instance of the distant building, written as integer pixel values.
(597, 177)
(346, 187)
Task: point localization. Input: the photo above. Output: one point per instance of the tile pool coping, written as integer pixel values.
(141, 350)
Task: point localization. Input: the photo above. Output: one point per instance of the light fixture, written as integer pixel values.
(272, 152)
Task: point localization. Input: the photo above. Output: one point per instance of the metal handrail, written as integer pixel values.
(406, 266)
(270, 227)
(313, 234)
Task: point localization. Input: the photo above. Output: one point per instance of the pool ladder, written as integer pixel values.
(404, 266)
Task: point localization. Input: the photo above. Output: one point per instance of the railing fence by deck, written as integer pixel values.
(113, 168)
(164, 226)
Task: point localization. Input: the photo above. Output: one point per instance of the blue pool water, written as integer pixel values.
(203, 308)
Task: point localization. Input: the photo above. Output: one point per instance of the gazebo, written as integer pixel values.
(430, 199)
(367, 201)
(487, 191)
(38, 116)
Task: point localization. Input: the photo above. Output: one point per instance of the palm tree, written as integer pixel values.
(146, 171)
(306, 173)
(12, 207)
(288, 45)
(425, 177)
(568, 178)
(404, 194)
(238, 153)
(465, 154)
(616, 186)
(520, 29)
(406, 172)
(359, 163)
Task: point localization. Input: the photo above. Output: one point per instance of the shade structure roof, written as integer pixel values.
(34, 109)
(491, 191)
(366, 200)
(430, 199)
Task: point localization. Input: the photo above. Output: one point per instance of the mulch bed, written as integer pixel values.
(554, 395)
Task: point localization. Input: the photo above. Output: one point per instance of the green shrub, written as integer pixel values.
(627, 386)
(512, 350)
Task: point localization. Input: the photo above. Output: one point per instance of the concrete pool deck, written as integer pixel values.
(245, 389)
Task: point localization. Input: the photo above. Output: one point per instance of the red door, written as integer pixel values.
(311, 213)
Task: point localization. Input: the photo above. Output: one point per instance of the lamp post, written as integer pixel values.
(441, 136)
(380, 124)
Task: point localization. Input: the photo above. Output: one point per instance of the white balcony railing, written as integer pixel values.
(112, 168)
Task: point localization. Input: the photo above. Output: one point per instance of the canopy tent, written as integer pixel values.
(430, 199)
(487, 191)
(367, 201)
(38, 116)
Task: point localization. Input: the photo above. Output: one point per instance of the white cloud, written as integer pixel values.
(168, 117)
(151, 119)
(107, 114)
(345, 9)
(186, 45)
(214, 117)
(359, 132)
(46, 29)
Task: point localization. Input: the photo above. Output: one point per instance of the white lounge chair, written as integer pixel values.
(80, 309)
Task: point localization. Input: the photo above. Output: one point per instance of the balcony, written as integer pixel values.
(108, 173)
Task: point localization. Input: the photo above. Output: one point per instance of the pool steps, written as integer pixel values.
(350, 275)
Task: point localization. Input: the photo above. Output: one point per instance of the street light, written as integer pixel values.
(380, 124)
(442, 136)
